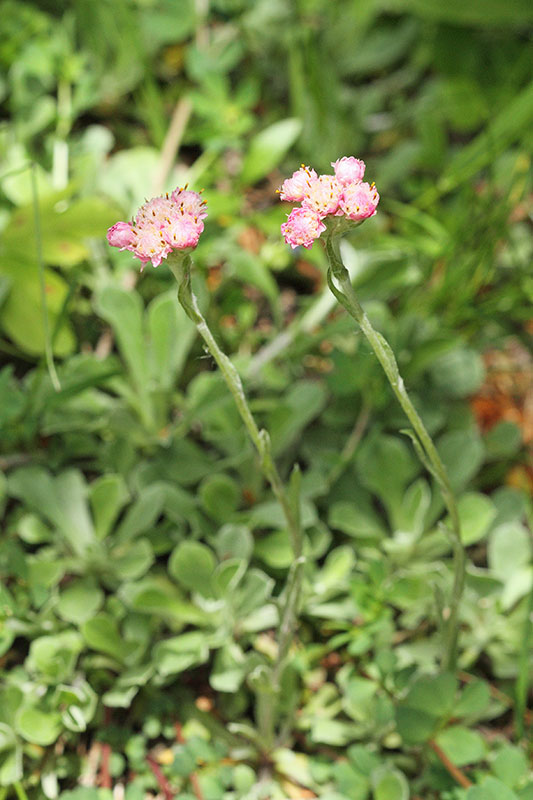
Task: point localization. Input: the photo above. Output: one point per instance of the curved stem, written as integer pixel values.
(260, 438)
(289, 501)
(423, 442)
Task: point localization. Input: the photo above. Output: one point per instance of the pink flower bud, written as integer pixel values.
(348, 170)
(359, 201)
(120, 235)
(183, 233)
(190, 203)
(154, 211)
(303, 226)
(293, 189)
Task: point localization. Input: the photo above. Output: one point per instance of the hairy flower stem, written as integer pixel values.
(422, 441)
(288, 500)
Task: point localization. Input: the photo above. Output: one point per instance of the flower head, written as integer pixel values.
(303, 226)
(161, 225)
(293, 189)
(323, 195)
(348, 169)
(359, 201)
(343, 195)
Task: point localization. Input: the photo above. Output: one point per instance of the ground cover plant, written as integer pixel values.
(199, 608)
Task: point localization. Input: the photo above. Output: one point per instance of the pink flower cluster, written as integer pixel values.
(163, 224)
(343, 194)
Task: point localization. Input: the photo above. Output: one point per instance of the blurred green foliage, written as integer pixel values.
(141, 555)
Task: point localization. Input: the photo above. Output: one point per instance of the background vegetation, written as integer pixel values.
(141, 554)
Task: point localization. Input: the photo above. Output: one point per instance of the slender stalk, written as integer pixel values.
(424, 446)
(171, 145)
(265, 718)
(181, 269)
(48, 350)
(351, 445)
(61, 151)
(20, 791)
(259, 438)
(522, 680)
(454, 771)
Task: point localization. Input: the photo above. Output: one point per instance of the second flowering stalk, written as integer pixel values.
(332, 205)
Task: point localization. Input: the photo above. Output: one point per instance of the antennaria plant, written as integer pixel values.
(333, 205)
(169, 228)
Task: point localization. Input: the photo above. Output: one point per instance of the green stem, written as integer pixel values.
(265, 715)
(522, 680)
(351, 445)
(423, 442)
(181, 269)
(64, 121)
(48, 350)
(20, 791)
